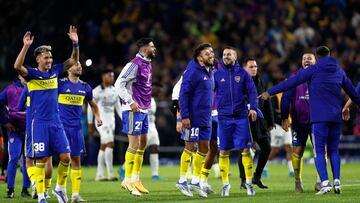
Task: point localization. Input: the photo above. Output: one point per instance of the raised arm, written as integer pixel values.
(19, 62)
(74, 58)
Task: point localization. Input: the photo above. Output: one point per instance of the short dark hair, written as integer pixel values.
(246, 60)
(229, 47)
(106, 70)
(322, 51)
(199, 48)
(144, 42)
(42, 49)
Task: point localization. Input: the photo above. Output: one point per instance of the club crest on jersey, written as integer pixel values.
(68, 90)
(237, 78)
(222, 80)
(205, 78)
(82, 91)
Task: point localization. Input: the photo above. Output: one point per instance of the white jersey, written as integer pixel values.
(107, 100)
(152, 112)
(176, 90)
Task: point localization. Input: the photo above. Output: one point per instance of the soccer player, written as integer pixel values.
(134, 87)
(47, 132)
(259, 129)
(196, 100)
(325, 79)
(15, 125)
(279, 138)
(213, 148)
(72, 93)
(24, 105)
(296, 100)
(153, 140)
(235, 89)
(108, 101)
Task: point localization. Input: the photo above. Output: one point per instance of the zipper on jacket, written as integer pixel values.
(231, 96)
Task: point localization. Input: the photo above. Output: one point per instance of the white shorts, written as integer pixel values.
(106, 132)
(152, 136)
(280, 137)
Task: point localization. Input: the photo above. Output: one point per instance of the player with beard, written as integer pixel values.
(235, 89)
(72, 93)
(134, 86)
(296, 103)
(196, 100)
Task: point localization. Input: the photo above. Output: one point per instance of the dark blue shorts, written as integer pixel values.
(76, 140)
(300, 134)
(234, 134)
(195, 134)
(135, 123)
(46, 139)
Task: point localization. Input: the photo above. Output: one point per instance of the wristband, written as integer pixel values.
(178, 120)
(75, 45)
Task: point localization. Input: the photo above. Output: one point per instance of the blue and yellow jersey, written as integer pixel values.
(71, 99)
(43, 92)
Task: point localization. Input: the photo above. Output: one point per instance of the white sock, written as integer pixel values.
(203, 182)
(135, 177)
(216, 169)
(290, 166)
(74, 194)
(60, 188)
(154, 164)
(182, 179)
(127, 180)
(195, 180)
(109, 161)
(41, 196)
(100, 163)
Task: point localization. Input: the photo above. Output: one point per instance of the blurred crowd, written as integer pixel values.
(275, 32)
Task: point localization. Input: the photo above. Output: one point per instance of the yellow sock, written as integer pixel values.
(185, 162)
(31, 173)
(129, 162)
(224, 164)
(205, 173)
(297, 164)
(40, 177)
(198, 163)
(248, 164)
(75, 180)
(47, 183)
(139, 157)
(63, 170)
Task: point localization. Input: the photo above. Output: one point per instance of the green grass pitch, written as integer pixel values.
(280, 187)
